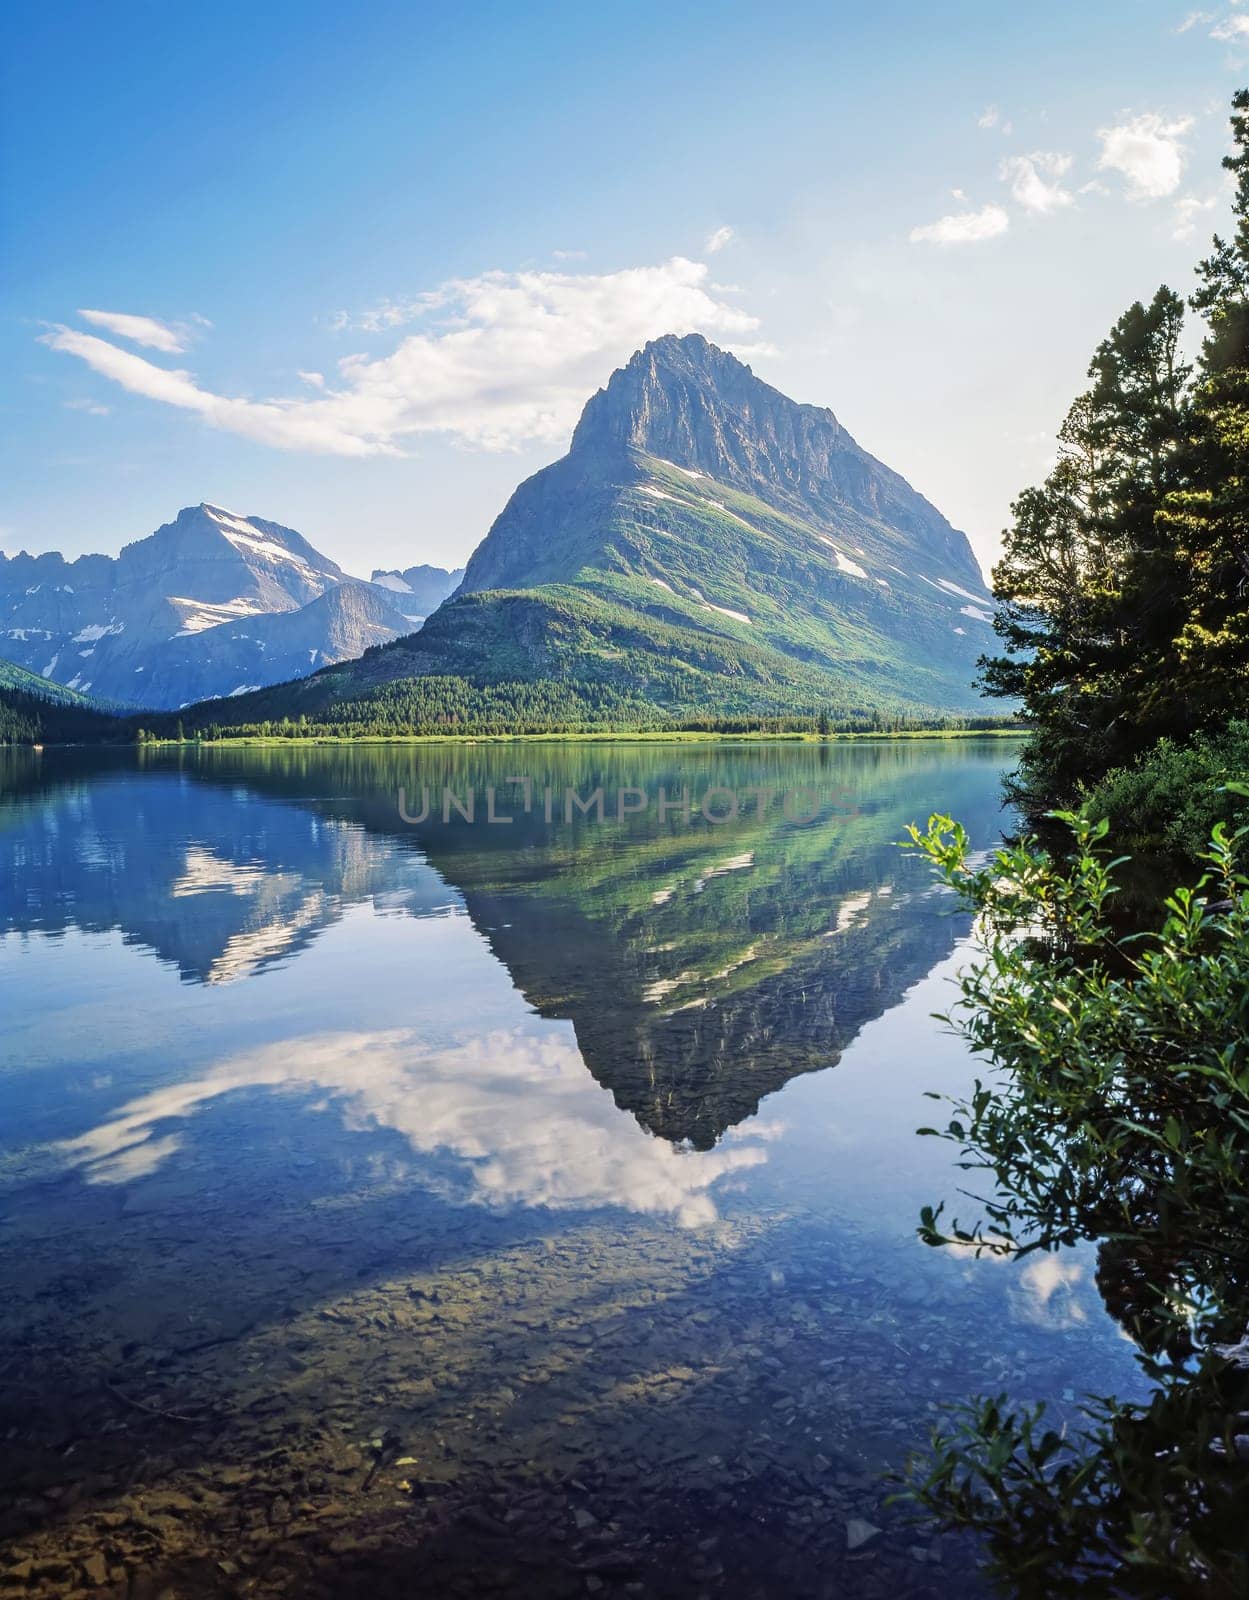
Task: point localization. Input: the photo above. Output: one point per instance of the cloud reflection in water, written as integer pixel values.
(520, 1110)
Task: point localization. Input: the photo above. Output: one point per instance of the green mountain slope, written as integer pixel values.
(15, 679)
(34, 709)
(707, 548)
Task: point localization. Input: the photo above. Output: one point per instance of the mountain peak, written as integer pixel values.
(685, 400)
(422, 588)
(190, 610)
(686, 404)
(688, 348)
(209, 531)
(681, 358)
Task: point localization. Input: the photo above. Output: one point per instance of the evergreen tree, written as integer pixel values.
(1086, 584)
(1207, 517)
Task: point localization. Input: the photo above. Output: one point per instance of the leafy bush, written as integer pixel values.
(1176, 793)
(1118, 1110)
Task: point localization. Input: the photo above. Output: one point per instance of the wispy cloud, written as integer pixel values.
(1188, 211)
(719, 239)
(1148, 152)
(170, 337)
(1234, 28)
(990, 118)
(285, 424)
(92, 407)
(1035, 180)
(964, 227)
(505, 359)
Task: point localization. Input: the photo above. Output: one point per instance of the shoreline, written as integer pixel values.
(676, 736)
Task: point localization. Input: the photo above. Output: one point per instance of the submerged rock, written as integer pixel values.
(859, 1533)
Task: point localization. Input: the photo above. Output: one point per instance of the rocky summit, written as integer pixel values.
(707, 548)
(422, 588)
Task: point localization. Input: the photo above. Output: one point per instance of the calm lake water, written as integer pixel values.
(450, 1206)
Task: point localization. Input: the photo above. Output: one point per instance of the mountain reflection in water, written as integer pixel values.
(702, 965)
(474, 1208)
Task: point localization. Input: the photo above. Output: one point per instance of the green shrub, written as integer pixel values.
(1116, 1108)
(1176, 793)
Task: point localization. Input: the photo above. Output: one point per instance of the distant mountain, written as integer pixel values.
(707, 547)
(421, 589)
(210, 604)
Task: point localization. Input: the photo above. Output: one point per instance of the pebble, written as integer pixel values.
(95, 1569)
(859, 1532)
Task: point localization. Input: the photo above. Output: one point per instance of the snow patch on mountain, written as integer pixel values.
(201, 614)
(737, 616)
(249, 539)
(844, 563)
(965, 594)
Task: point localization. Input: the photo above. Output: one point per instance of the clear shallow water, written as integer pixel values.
(573, 1160)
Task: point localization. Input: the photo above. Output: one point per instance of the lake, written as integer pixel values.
(491, 1169)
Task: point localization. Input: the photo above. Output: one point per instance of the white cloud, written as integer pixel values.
(139, 330)
(92, 407)
(1148, 152)
(1233, 28)
(964, 227)
(285, 424)
(506, 358)
(1035, 180)
(1188, 210)
(719, 239)
(1194, 19)
(991, 117)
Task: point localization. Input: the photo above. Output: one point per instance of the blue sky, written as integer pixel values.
(380, 255)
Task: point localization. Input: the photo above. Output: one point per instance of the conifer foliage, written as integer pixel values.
(1123, 589)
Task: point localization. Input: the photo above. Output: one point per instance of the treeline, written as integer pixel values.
(447, 706)
(1124, 586)
(862, 720)
(34, 719)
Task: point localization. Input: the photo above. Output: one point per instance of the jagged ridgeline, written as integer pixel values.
(211, 604)
(707, 548)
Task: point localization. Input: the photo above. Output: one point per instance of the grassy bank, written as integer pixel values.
(660, 736)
